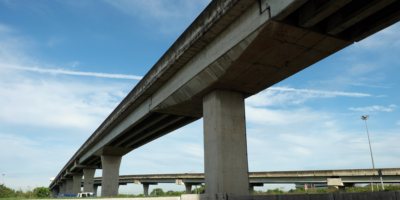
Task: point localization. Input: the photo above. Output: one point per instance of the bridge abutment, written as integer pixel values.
(225, 146)
(110, 179)
(88, 181)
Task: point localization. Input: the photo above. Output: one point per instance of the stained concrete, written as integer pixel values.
(225, 147)
(110, 181)
(88, 181)
(76, 188)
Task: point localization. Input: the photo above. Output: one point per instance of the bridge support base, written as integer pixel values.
(110, 179)
(225, 146)
(342, 189)
(88, 181)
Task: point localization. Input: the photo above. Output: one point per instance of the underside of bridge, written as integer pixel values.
(235, 48)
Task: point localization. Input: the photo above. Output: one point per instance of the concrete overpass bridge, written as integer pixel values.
(340, 178)
(234, 49)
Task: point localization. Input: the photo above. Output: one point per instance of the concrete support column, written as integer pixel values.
(145, 189)
(188, 188)
(61, 186)
(64, 187)
(251, 189)
(225, 146)
(342, 189)
(95, 189)
(88, 181)
(54, 192)
(69, 187)
(110, 179)
(77, 181)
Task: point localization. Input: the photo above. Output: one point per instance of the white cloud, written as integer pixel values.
(281, 117)
(285, 96)
(62, 71)
(375, 108)
(55, 103)
(381, 96)
(386, 37)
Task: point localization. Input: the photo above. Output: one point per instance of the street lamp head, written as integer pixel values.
(365, 117)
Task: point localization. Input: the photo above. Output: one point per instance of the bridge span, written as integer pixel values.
(234, 49)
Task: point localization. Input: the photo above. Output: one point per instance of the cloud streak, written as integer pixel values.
(62, 71)
(320, 92)
(375, 108)
(285, 96)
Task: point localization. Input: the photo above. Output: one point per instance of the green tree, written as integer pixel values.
(42, 192)
(6, 192)
(157, 192)
(199, 190)
(174, 193)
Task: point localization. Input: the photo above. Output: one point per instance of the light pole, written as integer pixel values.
(365, 118)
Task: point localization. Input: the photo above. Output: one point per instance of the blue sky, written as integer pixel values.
(65, 65)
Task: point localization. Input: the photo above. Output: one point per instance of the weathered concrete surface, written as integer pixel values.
(225, 146)
(89, 179)
(110, 183)
(76, 188)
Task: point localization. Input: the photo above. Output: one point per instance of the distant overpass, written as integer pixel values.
(233, 50)
(344, 177)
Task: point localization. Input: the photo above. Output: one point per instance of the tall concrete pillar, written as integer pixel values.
(77, 181)
(69, 187)
(145, 189)
(110, 179)
(342, 189)
(61, 186)
(225, 146)
(54, 192)
(95, 189)
(88, 181)
(188, 188)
